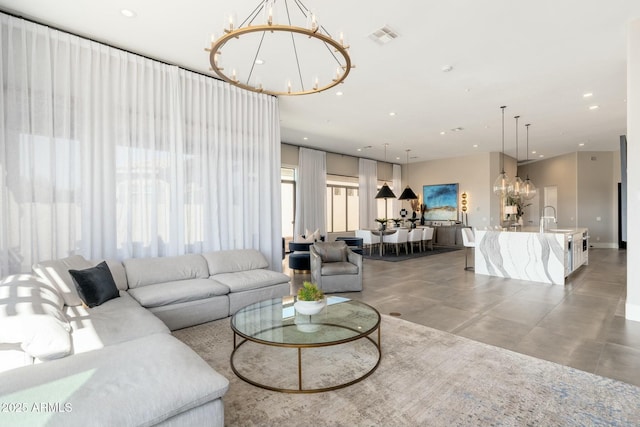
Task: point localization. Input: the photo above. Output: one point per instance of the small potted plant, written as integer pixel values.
(383, 223)
(310, 299)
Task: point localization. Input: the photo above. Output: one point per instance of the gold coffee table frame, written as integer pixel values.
(335, 316)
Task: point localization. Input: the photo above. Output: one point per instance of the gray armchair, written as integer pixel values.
(335, 268)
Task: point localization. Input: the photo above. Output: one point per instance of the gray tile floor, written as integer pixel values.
(580, 324)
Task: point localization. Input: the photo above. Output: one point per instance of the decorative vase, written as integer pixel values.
(310, 308)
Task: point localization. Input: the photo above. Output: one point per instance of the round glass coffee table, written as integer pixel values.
(276, 323)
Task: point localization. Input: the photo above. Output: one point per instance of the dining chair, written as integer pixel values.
(398, 238)
(368, 239)
(415, 236)
(427, 238)
(469, 242)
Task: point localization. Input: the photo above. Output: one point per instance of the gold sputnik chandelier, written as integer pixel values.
(279, 49)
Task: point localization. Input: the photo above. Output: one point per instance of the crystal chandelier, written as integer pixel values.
(517, 184)
(528, 189)
(280, 49)
(502, 184)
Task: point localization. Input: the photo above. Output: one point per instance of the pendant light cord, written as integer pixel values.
(527, 126)
(502, 157)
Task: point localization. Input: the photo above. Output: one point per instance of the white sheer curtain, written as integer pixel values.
(311, 191)
(110, 155)
(368, 188)
(396, 183)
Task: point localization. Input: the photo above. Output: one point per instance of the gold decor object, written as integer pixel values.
(464, 202)
(299, 50)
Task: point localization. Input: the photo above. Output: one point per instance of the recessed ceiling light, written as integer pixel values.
(338, 93)
(587, 95)
(447, 68)
(594, 107)
(392, 113)
(397, 158)
(541, 155)
(128, 13)
(359, 149)
(475, 145)
(259, 61)
(442, 132)
(534, 152)
(581, 144)
(305, 138)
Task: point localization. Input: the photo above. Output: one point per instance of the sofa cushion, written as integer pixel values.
(234, 260)
(118, 273)
(177, 292)
(95, 285)
(135, 383)
(331, 251)
(117, 320)
(338, 268)
(57, 273)
(252, 279)
(30, 315)
(150, 271)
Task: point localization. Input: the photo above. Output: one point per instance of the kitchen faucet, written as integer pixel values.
(542, 217)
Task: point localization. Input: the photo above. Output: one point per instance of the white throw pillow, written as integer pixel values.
(31, 315)
(315, 236)
(301, 239)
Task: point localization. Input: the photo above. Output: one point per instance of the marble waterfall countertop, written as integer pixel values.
(527, 254)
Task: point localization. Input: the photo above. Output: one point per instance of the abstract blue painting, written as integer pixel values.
(441, 201)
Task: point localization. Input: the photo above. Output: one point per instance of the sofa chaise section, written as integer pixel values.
(245, 272)
(143, 382)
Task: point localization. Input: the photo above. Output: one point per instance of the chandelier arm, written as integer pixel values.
(254, 14)
(295, 48)
(253, 64)
(295, 51)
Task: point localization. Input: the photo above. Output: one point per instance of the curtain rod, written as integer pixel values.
(5, 12)
(339, 154)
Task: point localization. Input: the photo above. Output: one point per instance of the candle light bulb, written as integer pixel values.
(341, 38)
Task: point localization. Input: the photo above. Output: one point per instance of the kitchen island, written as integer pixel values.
(547, 257)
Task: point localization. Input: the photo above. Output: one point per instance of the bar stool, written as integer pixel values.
(469, 241)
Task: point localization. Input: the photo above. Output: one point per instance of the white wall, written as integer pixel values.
(473, 175)
(632, 309)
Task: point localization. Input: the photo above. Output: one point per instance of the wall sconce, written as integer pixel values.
(464, 202)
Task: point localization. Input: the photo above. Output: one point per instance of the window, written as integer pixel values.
(288, 191)
(342, 204)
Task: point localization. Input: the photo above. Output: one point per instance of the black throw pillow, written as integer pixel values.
(95, 285)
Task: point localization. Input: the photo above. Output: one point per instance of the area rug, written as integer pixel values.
(392, 257)
(426, 378)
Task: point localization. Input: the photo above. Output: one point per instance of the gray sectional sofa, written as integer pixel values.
(117, 364)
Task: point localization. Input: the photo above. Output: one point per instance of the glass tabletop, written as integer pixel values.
(276, 322)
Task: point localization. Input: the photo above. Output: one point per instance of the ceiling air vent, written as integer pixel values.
(384, 35)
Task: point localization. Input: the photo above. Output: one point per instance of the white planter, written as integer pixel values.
(309, 307)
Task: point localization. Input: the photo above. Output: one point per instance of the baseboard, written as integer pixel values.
(601, 245)
(632, 312)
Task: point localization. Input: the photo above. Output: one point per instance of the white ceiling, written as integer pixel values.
(537, 58)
